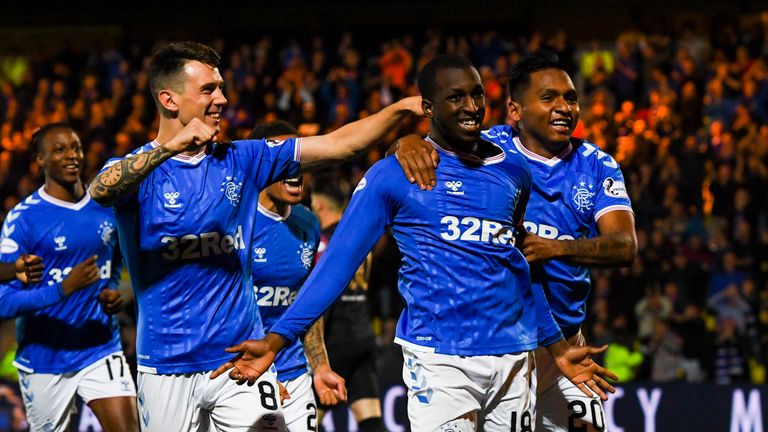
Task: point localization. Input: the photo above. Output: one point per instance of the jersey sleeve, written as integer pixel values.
(612, 194)
(15, 297)
(271, 160)
(370, 211)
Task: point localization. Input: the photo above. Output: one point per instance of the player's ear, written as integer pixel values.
(513, 110)
(167, 100)
(427, 107)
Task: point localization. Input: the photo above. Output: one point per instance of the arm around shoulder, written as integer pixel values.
(352, 139)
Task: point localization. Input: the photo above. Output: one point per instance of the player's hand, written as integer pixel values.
(284, 394)
(81, 275)
(194, 135)
(111, 300)
(418, 159)
(411, 104)
(252, 359)
(29, 268)
(576, 364)
(537, 249)
(329, 385)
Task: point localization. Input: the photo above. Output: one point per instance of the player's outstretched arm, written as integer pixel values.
(576, 364)
(418, 159)
(15, 301)
(27, 268)
(352, 139)
(616, 244)
(361, 226)
(252, 358)
(122, 178)
(328, 384)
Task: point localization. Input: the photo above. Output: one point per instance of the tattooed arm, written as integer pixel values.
(328, 385)
(314, 345)
(122, 178)
(616, 244)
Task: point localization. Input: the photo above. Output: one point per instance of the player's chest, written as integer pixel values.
(562, 200)
(491, 193)
(281, 254)
(76, 232)
(190, 195)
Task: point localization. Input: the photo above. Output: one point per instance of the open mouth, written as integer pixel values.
(562, 125)
(72, 168)
(214, 115)
(294, 185)
(470, 125)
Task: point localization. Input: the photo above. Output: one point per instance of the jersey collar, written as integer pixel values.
(470, 157)
(538, 158)
(192, 160)
(274, 216)
(66, 204)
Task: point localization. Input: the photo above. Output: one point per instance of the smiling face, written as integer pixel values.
(61, 156)
(457, 109)
(200, 94)
(547, 111)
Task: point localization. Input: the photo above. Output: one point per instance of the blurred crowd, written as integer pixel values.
(684, 111)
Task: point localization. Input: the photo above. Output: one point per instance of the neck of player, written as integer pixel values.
(547, 149)
(70, 192)
(273, 205)
(478, 148)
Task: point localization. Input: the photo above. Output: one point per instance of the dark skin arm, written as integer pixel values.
(253, 358)
(616, 244)
(576, 364)
(27, 268)
(113, 301)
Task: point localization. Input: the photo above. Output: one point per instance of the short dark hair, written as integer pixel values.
(168, 61)
(39, 135)
(329, 185)
(428, 74)
(272, 129)
(520, 76)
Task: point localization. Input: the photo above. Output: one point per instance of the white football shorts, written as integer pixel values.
(50, 398)
(469, 393)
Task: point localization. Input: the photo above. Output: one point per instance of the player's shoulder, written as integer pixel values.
(499, 134)
(137, 151)
(387, 168)
(590, 155)
(27, 207)
(252, 145)
(304, 217)
(383, 177)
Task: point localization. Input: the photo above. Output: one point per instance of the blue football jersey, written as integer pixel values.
(283, 255)
(466, 286)
(187, 231)
(58, 334)
(570, 192)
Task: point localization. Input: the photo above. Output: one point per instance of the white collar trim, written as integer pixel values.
(272, 215)
(192, 160)
(467, 156)
(538, 158)
(66, 204)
